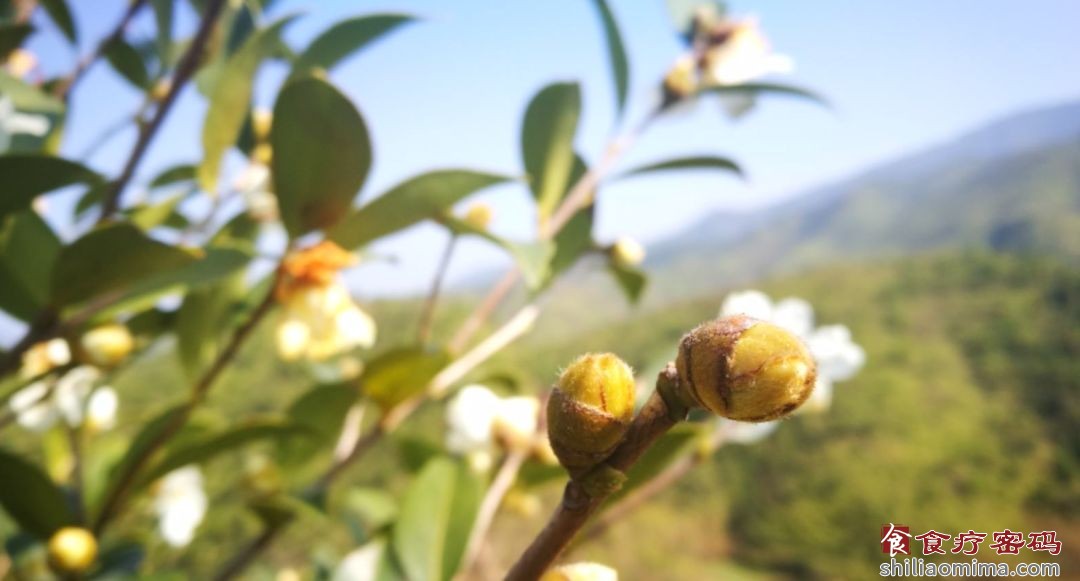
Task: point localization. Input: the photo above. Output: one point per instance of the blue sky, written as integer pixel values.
(450, 91)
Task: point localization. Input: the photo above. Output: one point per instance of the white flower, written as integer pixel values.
(361, 564)
(752, 303)
(795, 315)
(516, 421)
(469, 420)
(38, 406)
(319, 322)
(838, 357)
(744, 55)
(101, 409)
(581, 572)
(44, 357)
(12, 122)
(746, 432)
(180, 504)
(253, 183)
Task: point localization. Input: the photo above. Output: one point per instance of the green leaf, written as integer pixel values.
(401, 373)
(202, 322)
(176, 174)
(547, 142)
(27, 176)
(345, 38)
(666, 450)
(111, 258)
(59, 13)
(31, 498)
(29, 98)
(631, 280)
(576, 237)
(231, 97)
(150, 216)
(682, 14)
(322, 155)
(692, 162)
(532, 258)
(436, 517)
(322, 411)
(163, 21)
(423, 197)
(755, 90)
(28, 249)
(127, 61)
(367, 510)
(620, 68)
(208, 447)
(12, 37)
(147, 435)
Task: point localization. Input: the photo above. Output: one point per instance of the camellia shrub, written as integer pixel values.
(215, 252)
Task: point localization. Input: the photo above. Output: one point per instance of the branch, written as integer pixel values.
(578, 503)
(185, 69)
(64, 87)
(241, 560)
(427, 313)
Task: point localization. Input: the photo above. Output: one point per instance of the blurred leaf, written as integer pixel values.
(146, 436)
(176, 174)
(127, 61)
(203, 321)
(532, 258)
(111, 258)
(576, 237)
(344, 38)
(632, 280)
(666, 450)
(120, 561)
(423, 197)
(28, 249)
(27, 97)
(151, 215)
(27, 176)
(620, 68)
(547, 142)
(755, 90)
(436, 517)
(59, 13)
(322, 155)
(401, 373)
(416, 451)
(163, 21)
(367, 510)
(535, 474)
(209, 447)
(682, 14)
(231, 97)
(30, 497)
(12, 37)
(321, 410)
(693, 162)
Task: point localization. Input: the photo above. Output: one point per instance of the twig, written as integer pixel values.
(427, 313)
(578, 503)
(184, 71)
(198, 392)
(241, 560)
(483, 312)
(489, 506)
(64, 87)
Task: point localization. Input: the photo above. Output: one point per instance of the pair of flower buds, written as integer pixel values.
(737, 367)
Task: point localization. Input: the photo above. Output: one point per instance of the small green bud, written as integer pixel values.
(72, 550)
(590, 409)
(745, 369)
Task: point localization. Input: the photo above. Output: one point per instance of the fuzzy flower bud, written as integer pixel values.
(107, 345)
(745, 369)
(72, 550)
(479, 216)
(261, 120)
(682, 80)
(581, 572)
(590, 409)
(161, 90)
(627, 252)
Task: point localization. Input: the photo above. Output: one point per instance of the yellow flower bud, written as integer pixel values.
(20, 62)
(261, 120)
(627, 252)
(107, 345)
(744, 369)
(479, 216)
(681, 80)
(581, 572)
(262, 154)
(72, 550)
(160, 90)
(590, 409)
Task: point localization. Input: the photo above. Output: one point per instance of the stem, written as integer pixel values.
(185, 69)
(427, 315)
(64, 87)
(241, 560)
(489, 506)
(577, 505)
(74, 436)
(198, 393)
(483, 312)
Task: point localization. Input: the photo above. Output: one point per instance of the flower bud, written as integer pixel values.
(262, 154)
(161, 90)
(744, 369)
(681, 80)
(479, 216)
(72, 550)
(590, 409)
(107, 345)
(581, 572)
(627, 252)
(261, 120)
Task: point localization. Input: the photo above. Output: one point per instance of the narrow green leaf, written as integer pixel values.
(401, 373)
(59, 13)
(345, 38)
(631, 280)
(421, 198)
(321, 410)
(127, 61)
(12, 37)
(31, 498)
(231, 97)
(547, 142)
(111, 258)
(692, 162)
(620, 68)
(576, 237)
(151, 215)
(468, 493)
(176, 174)
(202, 322)
(322, 155)
(28, 249)
(759, 89)
(163, 21)
(27, 176)
(532, 258)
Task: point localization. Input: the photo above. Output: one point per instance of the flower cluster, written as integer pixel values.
(478, 421)
(180, 504)
(75, 396)
(319, 318)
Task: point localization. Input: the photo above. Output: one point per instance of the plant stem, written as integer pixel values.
(427, 314)
(117, 494)
(577, 505)
(74, 437)
(64, 87)
(242, 559)
(489, 506)
(185, 69)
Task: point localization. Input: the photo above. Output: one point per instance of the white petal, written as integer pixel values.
(361, 564)
(748, 302)
(180, 504)
(586, 572)
(58, 352)
(101, 408)
(820, 399)
(72, 390)
(292, 337)
(36, 125)
(838, 357)
(33, 407)
(748, 433)
(795, 315)
(516, 419)
(355, 328)
(469, 419)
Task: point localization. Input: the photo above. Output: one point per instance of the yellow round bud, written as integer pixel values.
(72, 550)
(745, 369)
(107, 345)
(681, 81)
(627, 252)
(479, 216)
(161, 90)
(262, 153)
(590, 409)
(581, 572)
(261, 120)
